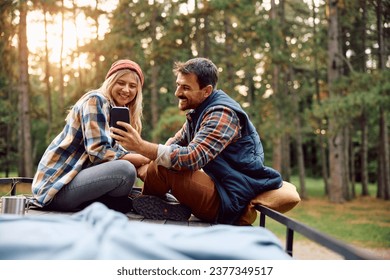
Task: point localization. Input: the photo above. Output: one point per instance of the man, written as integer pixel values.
(213, 165)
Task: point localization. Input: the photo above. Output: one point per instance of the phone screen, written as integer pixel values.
(119, 114)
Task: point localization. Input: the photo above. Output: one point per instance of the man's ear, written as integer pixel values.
(208, 90)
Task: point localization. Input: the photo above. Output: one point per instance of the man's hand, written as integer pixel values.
(132, 141)
(129, 139)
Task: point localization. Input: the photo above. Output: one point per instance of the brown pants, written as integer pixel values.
(194, 189)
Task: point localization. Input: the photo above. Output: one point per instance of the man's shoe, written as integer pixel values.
(153, 207)
(135, 192)
(170, 198)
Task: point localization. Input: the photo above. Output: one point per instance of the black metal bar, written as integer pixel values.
(14, 181)
(289, 241)
(13, 188)
(345, 250)
(262, 219)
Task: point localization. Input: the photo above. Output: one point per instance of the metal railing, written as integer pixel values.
(14, 181)
(341, 248)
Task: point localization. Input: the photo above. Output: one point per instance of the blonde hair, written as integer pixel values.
(135, 106)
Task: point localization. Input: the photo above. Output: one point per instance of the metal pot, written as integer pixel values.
(13, 205)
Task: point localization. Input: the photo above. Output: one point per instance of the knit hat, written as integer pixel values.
(126, 64)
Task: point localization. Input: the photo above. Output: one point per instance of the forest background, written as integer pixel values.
(313, 76)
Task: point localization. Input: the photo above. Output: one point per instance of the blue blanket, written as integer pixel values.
(100, 233)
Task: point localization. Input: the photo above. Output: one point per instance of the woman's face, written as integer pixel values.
(125, 89)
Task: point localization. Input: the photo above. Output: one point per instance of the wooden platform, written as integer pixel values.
(192, 222)
(12, 183)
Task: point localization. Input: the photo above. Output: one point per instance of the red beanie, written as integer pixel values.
(126, 64)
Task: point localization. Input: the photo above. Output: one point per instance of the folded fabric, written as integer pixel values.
(100, 233)
(282, 200)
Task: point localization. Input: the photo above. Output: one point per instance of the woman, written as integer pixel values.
(82, 164)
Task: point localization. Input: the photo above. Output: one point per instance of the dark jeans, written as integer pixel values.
(110, 183)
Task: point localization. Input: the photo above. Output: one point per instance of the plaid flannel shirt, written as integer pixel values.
(84, 141)
(220, 127)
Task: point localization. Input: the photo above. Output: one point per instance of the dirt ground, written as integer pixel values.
(307, 250)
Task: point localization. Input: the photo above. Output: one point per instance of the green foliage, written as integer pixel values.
(169, 123)
(39, 129)
(8, 88)
(354, 94)
(8, 150)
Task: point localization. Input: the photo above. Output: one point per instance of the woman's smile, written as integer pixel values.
(125, 89)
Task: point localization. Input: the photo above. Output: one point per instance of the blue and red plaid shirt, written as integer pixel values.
(84, 141)
(220, 127)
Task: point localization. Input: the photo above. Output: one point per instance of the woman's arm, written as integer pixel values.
(136, 159)
(140, 162)
(96, 132)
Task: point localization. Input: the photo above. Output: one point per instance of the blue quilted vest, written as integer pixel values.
(238, 171)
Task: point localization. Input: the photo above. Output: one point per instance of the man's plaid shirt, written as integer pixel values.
(220, 127)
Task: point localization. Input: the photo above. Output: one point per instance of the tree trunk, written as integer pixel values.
(284, 92)
(384, 134)
(277, 151)
(229, 49)
(80, 78)
(205, 50)
(97, 26)
(336, 133)
(154, 76)
(352, 170)
(322, 141)
(361, 47)
(62, 90)
(47, 75)
(299, 148)
(364, 154)
(24, 130)
(347, 168)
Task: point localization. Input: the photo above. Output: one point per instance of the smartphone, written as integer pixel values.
(119, 114)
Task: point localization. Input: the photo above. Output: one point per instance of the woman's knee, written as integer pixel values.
(126, 170)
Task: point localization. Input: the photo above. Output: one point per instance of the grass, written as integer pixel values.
(364, 221)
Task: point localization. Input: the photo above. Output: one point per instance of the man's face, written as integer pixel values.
(188, 92)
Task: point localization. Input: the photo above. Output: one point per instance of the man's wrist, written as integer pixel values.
(164, 156)
(148, 149)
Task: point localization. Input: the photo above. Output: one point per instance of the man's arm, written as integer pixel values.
(220, 126)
